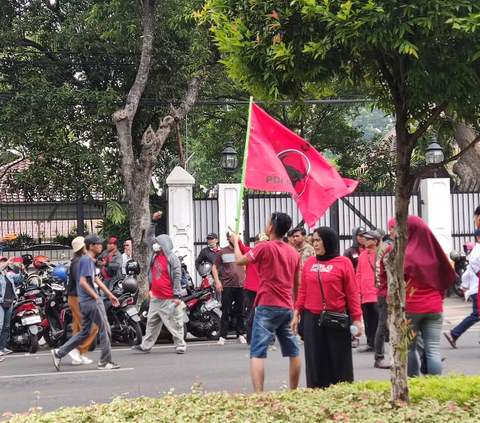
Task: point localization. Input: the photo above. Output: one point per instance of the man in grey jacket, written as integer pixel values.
(164, 275)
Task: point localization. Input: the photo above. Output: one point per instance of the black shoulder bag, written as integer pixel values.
(331, 319)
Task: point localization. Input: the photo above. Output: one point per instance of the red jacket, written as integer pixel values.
(366, 277)
(339, 285)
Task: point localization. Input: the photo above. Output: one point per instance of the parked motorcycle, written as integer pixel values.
(124, 320)
(460, 259)
(24, 326)
(203, 312)
(57, 323)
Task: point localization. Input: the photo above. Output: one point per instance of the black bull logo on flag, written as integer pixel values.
(297, 167)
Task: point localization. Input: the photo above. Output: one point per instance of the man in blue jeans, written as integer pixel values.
(470, 283)
(92, 308)
(279, 270)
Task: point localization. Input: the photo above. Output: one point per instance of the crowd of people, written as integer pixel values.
(289, 288)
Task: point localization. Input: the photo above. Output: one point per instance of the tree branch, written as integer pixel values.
(425, 125)
(25, 42)
(385, 71)
(136, 92)
(428, 168)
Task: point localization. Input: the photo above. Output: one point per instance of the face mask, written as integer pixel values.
(156, 248)
(212, 246)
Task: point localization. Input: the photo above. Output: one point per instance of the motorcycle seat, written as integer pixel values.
(197, 294)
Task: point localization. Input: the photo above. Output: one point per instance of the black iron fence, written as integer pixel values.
(44, 227)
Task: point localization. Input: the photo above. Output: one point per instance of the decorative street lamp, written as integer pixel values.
(229, 159)
(434, 153)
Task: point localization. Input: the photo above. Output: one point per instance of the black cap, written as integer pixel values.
(372, 235)
(93, 239)
(361, 230)
(212, 235)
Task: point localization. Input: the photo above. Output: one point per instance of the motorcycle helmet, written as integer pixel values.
(468, 246)
(132, 267)
(27, 259)
(38, 260)
(205, 268)
(60, 272)
(455, 255)
(130, 285)
(34, 281)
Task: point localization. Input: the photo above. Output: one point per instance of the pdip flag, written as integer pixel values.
(280, 160)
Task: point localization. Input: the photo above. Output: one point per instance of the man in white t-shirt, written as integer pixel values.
(470, 283)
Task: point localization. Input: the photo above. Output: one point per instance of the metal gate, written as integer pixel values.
(369, 209)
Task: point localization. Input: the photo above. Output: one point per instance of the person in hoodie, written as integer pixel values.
(164, 275)
(357, 247)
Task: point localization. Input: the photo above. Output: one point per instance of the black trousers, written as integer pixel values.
(232, 306)
(249, 300)
(382, 329)
(328, 353)
(370, 319)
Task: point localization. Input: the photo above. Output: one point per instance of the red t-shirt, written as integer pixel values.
(277, 265)
(161, 282)
(252, 278)
(339, 286)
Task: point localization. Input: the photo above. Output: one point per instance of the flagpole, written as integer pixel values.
(245, 154)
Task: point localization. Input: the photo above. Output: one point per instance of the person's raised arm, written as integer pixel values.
(240, 259)
(151, 228)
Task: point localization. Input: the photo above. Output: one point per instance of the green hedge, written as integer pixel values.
(434, 400)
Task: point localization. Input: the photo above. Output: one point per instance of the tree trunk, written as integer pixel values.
(394, 264)
(137, 170)
(467, 167)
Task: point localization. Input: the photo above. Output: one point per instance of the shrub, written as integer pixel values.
(433, 400)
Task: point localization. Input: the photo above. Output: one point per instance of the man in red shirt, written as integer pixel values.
(165, 274)
(279, 269)
(252, 279)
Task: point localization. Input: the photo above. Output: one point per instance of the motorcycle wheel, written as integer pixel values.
(134, 335)
(33, 344)
(52, 343)
(214, 319)
(456, 286)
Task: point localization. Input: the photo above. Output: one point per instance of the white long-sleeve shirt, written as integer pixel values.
(470, 277)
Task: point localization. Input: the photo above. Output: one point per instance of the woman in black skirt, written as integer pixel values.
(328, 351)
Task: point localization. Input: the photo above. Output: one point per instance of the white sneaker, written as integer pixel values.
(75, 356)
(181, 350)
(242, 339)
(85, 359)
(221, 341)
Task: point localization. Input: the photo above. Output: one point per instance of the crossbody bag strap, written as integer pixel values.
(321, 286)
(369, 262)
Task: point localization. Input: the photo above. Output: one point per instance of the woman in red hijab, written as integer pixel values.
(428, 274)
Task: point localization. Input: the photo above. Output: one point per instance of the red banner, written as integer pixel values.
(280, 161)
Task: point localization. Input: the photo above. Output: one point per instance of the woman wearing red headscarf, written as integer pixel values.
(428, 274)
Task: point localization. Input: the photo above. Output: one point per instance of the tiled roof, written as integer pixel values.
(7, 170)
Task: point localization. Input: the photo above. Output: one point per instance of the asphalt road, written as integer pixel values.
(31, 380)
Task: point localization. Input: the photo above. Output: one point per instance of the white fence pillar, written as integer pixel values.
(437, 209)
(228, 197)
(180, 214)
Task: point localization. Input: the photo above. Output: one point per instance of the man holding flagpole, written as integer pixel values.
(279, 270)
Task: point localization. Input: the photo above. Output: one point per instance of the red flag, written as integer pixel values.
(280, 160)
